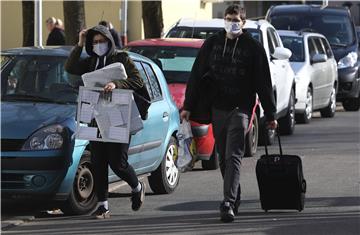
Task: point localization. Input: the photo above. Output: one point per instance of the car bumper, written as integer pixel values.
(349, 83)
(25, 173)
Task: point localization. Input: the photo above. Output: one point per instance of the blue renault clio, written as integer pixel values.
(41, 159)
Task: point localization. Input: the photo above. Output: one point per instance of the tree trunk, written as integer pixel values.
(152, 18)
(74, 20)
(28, 23)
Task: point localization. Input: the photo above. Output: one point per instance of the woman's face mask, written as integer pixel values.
(100, 48)
(232, 27)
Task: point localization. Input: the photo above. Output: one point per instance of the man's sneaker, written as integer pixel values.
(137, 199)
(226, 212)
(101, 213)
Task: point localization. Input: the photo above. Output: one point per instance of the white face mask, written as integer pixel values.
(233, 27)
(100, 48)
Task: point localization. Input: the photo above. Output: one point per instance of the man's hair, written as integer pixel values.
(236, 9)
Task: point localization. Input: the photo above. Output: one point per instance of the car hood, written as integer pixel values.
(20, 119)
(177, 91)
(340, 52)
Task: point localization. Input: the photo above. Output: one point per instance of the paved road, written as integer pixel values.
(330, 149)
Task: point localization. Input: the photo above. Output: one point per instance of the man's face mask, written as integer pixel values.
(232, 27)
(100, 48)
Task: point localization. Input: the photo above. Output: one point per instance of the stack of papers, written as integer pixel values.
(100, 77)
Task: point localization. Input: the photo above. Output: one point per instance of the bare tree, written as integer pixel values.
(28, 23)
(152, 18)
(74, 18)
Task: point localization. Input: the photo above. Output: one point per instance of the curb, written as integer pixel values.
(14, 221)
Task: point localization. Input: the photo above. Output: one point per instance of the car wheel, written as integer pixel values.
(306, 116)
(329, 111)
(287, 123)
(82, 198)
(212, 163)
(351, 104)
(165, 178)
(251, 139)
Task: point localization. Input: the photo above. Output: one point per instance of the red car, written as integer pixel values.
(175, 57)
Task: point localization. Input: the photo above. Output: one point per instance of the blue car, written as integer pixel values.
(41, 159)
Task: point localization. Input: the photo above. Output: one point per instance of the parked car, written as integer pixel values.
(315, 73)
(191, 28)
(337, 26)
(282, 75)
(175, 57)
(41, 159)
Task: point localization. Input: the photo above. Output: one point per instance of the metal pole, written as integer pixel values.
(38, 23)
(123, 19)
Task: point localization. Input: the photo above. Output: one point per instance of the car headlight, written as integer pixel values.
(50, 137)
(348, 61)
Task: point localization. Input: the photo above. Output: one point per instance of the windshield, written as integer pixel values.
(296, 46)
(337, 29)
(175, 62)
(37, 78)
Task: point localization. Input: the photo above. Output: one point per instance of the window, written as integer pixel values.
(319, 46)
(312, 49)
(154, 85)
(144, 77)
(296, 45)
(175, 62)
(38, 78)
(327, 48)
(270, 42)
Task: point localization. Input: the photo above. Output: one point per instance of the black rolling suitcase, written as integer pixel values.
(281, 181)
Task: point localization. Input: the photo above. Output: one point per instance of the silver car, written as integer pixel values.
(315, 73)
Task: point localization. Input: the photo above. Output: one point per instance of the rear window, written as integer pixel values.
(337, 29)
(189, 32)
(175, 62)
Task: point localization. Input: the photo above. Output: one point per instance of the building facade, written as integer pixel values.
(173, 10)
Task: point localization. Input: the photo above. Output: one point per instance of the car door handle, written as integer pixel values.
(165, 114)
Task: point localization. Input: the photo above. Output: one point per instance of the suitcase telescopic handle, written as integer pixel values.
(266, 140)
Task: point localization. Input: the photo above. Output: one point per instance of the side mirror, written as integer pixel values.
(318, 58)
(281, 53)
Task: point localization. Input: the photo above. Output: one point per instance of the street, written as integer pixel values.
(330, 150)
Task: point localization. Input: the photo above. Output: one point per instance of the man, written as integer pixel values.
(100, 46)
(56, 35)
(236, 66)
(113, 32)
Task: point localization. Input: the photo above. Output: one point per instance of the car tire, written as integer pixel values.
(306, 116)
(251, 139)
(287, 123)
(212, 163)
(329, 111)
(165, 178)
(82, 198)
(351, 104)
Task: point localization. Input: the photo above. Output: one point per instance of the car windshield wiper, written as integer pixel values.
(338, 45)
